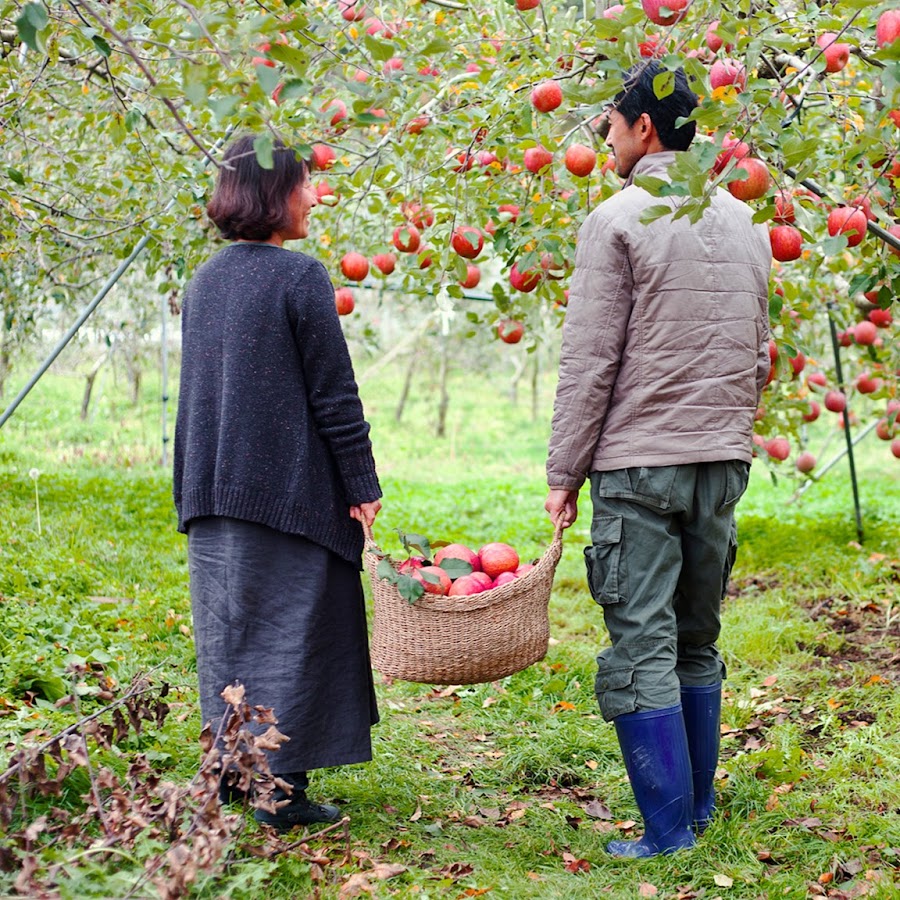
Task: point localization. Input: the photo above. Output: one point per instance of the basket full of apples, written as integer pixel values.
(448, 614)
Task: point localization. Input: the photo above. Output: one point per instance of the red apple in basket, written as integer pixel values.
(505, 578)
(458, 551)
(469, 584)
(498, 557)
(441, 586)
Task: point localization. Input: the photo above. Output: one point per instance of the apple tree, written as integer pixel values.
(458, 147)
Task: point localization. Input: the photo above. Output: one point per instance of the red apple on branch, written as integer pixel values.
(473, 276)
(406, 238)
(546, 96)
(835, 401)
(836, 55)
(787, 242)
(537, 158)
(523, 5)
(731, 149)
(510, 331)
(778, 448)
(343, 301)
(337, 109)
(467, 241)
(580, 160)
(849, 221)
(865, 333)
(784, 208)
(354, 266)
(322, 157)
(757, 182)
(887, 28)
(813, 411)
(385, 262)
(806, 462)
(525, 281)
(665, 12)
(727, 71)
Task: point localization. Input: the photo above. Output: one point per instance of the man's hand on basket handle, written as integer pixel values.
(562, 506)
(365, 512)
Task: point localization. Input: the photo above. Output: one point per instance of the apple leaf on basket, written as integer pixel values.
(455, 568)
(415, 542)
(410, 589)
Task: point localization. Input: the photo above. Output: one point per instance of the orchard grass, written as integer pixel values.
(509, 789)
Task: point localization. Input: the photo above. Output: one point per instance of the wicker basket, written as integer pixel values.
(462, 640)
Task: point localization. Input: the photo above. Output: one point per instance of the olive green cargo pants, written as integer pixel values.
(663, 544)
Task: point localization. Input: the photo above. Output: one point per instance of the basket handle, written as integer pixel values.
(369, 536)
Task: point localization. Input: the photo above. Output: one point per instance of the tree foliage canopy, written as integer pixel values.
(111, 116)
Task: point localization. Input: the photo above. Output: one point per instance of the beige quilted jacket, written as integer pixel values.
(665, 343)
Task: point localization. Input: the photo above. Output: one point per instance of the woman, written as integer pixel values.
(273, 475)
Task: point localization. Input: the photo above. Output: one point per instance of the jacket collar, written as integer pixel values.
(656, 164)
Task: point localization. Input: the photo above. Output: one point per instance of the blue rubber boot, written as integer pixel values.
(654, 746)
(702, 707)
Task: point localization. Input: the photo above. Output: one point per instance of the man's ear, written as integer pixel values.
(647, 127)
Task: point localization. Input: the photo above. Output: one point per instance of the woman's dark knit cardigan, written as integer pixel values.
(270, 426)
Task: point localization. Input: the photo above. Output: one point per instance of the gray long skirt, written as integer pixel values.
(286, 618)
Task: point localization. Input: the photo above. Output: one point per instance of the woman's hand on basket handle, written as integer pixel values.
(365, 512)
(562, 506)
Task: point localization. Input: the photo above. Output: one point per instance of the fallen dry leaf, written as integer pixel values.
(645, 889)
(355, 885)
(597, 810)
(416, 815)
(723, 880)
(576, 865)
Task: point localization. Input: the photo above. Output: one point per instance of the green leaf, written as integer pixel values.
(16, 176)
(263, 147)
(385, 571)
(133, 118)
(664, 84)
(268, 78)
(223, 107)
(101, 45)
(651, 184)
(410, 589)
(455, 567)
(379, 49)
(30, 26)
(416, 542)
(652, 213)
(435, 46)
(298, 60)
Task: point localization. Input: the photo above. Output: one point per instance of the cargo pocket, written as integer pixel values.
(649, 486)
(737, 476)
(730, 557)
(604, 560)
(614, 688)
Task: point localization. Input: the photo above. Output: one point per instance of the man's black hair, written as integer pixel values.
(639, 96)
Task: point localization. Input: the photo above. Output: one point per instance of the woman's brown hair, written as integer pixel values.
(250, 202)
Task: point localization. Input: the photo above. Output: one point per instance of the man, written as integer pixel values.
(664, 356)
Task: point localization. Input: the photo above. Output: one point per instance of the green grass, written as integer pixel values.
(482, 788)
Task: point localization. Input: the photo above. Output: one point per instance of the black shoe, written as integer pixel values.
(231, 793)
(300, 811)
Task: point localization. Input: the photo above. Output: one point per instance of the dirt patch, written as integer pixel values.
(869, 634)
